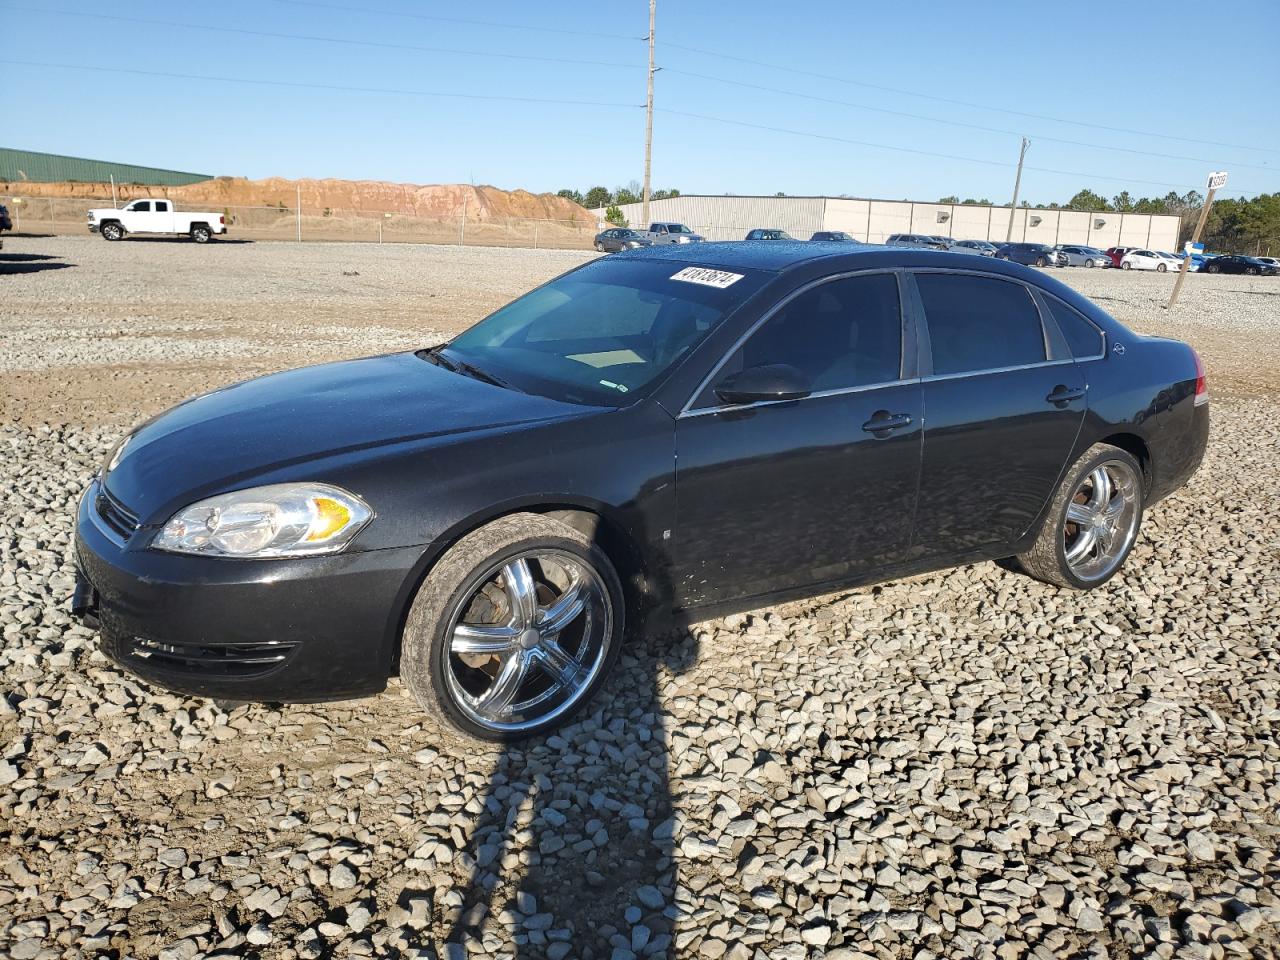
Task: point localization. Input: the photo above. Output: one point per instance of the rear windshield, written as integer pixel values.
(605, 333)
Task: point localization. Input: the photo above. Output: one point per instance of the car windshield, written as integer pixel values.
(678, 228)
(604, 333)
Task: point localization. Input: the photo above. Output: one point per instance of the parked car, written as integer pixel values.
(492, 517)
(981, 248)
(5, 223)
(834, 235)
(669, 232)
(1031, 254)
(1117, 254)
(919, 241)
(1274, 261)
(1078, 256)
(1147, 260)
(768, 233)
(1198, 260)
(620, 238)
(158, 217)
(1236, 263)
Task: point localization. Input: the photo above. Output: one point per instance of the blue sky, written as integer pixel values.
(1202, 71)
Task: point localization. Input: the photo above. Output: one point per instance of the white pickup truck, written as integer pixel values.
(155, 216)
(669, 232)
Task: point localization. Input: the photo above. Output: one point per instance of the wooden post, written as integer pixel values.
(1216, 180)
(1017, 185)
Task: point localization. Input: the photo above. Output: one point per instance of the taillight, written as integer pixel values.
(1202, 388)
(222, 221)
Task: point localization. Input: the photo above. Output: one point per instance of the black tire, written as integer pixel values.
(1161, 268)
(599, 247)
(200, 233)
(1040, 262)
(1089, 263)
(1212, 268)
(1252, 271)
(452, 582)
(1046, 560)
(1126, 266)
(111, 231)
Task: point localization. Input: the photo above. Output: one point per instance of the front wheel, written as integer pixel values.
(1252, 271)
(1211, 269)
(1089, 263)
(1126, 266)
(112, 231)
(201, 234)
(514, 629)
(599, 247)
(1161, 268)
(1092, 523)
(1040, 262)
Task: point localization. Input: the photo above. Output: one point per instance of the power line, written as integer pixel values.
(319, 39)
(960, 103)
(924, 153)
(471, 23)
(342, 88)
(957, 123)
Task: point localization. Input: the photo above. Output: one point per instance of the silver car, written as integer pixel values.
(979, 248)
(1081, 256)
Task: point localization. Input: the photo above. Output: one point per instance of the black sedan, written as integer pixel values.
(620, 238)
(834, 236)
(1239, 264)
(665, 435)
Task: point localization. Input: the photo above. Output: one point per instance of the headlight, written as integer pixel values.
(281, 520)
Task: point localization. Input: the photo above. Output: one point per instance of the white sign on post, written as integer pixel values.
(1217, 180)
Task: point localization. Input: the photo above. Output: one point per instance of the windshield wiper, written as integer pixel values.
(436, 356)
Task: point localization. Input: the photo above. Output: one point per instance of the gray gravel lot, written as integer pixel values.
(963, 764)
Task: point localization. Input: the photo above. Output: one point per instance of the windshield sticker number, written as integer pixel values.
(707, 277)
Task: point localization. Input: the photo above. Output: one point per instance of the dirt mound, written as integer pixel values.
(337, 196)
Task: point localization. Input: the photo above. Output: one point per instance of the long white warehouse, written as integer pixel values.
(729, 218)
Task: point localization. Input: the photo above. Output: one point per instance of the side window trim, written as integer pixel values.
(908, 362)
(926, 346)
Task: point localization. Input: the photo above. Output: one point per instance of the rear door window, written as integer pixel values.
(1082, 336)
(979, 323)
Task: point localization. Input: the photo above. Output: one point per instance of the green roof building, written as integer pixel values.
(17, 166)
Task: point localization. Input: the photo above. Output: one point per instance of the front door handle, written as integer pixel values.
(1062, 395)
(882, 422)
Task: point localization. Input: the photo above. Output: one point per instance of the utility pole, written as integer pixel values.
(297, 213)
(1017, 185)
(648, 123)
(1216, 180)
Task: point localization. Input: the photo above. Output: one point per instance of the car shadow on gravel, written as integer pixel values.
(574, 847)
(12, 263)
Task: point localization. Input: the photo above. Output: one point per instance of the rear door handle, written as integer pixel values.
(1062, 394)
(882, 423)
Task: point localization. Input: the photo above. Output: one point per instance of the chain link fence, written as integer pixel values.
(59, 216)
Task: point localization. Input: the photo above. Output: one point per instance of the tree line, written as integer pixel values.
(604, 197)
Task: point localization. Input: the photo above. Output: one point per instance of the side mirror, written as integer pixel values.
(770, 381)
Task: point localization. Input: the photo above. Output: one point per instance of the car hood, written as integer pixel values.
(225, 439)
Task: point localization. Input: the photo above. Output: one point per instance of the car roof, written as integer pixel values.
(785, 254)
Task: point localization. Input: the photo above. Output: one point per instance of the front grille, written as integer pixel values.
(223, 660)
(116, 515)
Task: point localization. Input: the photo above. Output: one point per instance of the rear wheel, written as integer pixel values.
(1092, 523)
(200, 233)
(514, 629)
(112, 231)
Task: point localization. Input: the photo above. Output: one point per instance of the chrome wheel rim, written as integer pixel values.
(1102, 520)
(528, 640)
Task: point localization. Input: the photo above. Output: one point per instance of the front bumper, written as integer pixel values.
(295, 630)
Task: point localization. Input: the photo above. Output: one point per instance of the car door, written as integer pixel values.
(1003, 404)
(136, 217)
(162, 217)
(781, 494)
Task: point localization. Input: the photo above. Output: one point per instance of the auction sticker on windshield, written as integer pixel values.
(707, 277)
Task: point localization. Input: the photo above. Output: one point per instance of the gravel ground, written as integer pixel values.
(964, 764)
